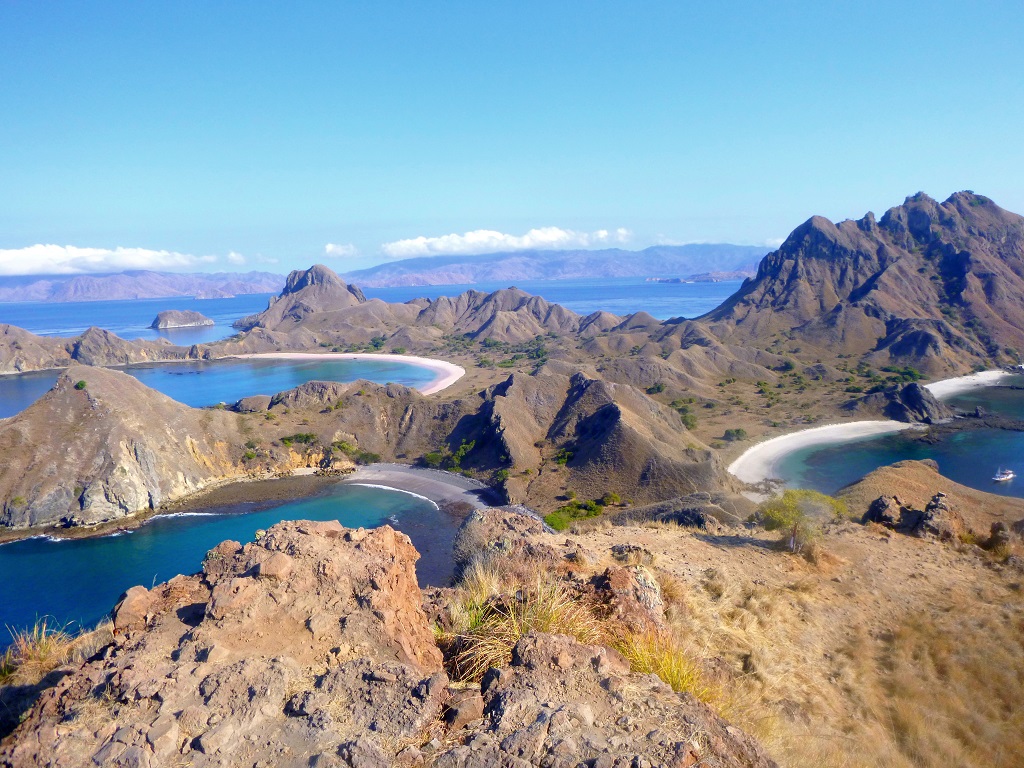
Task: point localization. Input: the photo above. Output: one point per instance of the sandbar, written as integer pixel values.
(760, 461)
(446, 373)
(442, 488)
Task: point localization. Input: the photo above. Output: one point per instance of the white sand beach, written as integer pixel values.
(446, 373)
(760, 461)
(954, 386)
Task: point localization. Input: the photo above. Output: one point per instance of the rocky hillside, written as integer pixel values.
(317, 301)
(310, 648)
(935, 285)
(102, 446)
(21, 350)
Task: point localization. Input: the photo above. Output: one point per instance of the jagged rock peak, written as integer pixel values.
(318, 275)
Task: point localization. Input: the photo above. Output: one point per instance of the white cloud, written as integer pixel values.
(489, 241)
(71, 260)
(343, 250)
(774, 242)
(236, 258)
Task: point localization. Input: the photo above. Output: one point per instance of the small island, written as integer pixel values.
(180, 318)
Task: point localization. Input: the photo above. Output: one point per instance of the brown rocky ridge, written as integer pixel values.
(933, 285)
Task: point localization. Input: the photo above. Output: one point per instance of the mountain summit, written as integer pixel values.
(924, 280)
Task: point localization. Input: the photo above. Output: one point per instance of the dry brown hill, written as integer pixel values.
(934, 285)
(916, 482)
(108, 448)
(318, 301)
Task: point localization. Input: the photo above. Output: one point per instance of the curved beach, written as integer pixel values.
(961, 384)
(446, 373)
(760, 462)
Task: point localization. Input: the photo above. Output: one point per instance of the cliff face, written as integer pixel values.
(108, 448)
(930, 284)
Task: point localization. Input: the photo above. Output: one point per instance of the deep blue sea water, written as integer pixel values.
(76, 582)
(970, 457)
(131, 319)
(202, 383)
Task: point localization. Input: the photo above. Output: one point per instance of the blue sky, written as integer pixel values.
(199, 135)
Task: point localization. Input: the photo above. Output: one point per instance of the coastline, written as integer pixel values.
(441, 488)
(444, 489)
(759, 462)
(446, 373)
(960, 384)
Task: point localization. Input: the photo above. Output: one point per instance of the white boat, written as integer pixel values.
(1003, 475)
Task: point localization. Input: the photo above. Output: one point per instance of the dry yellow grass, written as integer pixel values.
(37, 651)
(892, 652)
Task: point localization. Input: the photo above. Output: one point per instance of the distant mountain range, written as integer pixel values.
(656, 261)
(136, 284)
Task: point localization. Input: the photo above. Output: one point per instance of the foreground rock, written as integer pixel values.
(310, 647)
(178, 318)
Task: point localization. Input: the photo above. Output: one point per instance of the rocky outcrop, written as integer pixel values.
(101, 445)
(306, 292)
(564, 704)
(918, 483)
(703, 511)
(279, 651)
(911, 403)
(931, 284)
(309, 648)
(178, 318)
(938, 519)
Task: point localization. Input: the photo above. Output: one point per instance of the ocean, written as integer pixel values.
(74, 583)
(204, 383)
(131, 319)
(969, 457)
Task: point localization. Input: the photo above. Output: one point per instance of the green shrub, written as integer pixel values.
(563, 517)
(735, 434)
(563, 457)
(433, 459)
(656, 389)
(80, 385)
(610, 498)
(800, 513)
(304, 438)
(501, 475)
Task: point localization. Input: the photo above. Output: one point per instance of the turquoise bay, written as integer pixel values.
(76, 582)
(969, 457)
(209, 382)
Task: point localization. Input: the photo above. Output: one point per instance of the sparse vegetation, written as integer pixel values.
(800, 513)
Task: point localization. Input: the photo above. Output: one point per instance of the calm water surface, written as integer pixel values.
(131, 319)
(970, 457)
(78, 581)
(209, 382)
